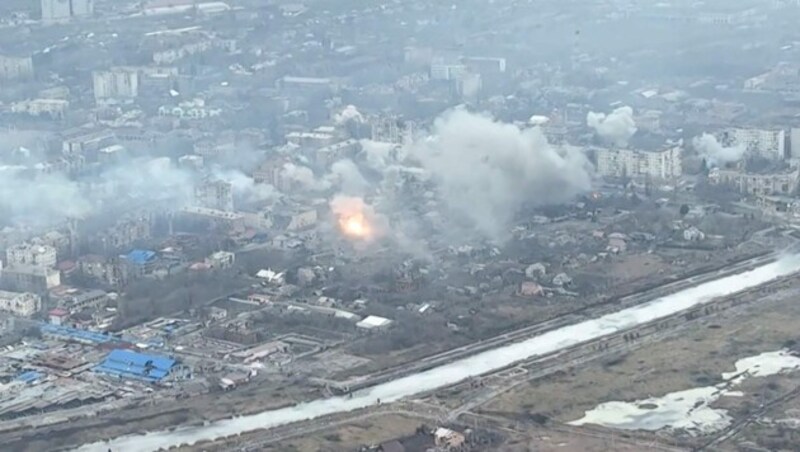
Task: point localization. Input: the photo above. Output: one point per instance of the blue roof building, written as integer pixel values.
(29, 377)
(125, 363)
(140, 257)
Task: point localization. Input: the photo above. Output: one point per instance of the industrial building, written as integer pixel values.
(124, 363)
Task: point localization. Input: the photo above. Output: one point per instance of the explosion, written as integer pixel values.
(355, 226)
(356, 219)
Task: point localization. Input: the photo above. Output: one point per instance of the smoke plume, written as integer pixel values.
(349, 113)
(347, 177)
(302, 175)
(715, 153)
(486, 170)
(27, 194)
(618, 127)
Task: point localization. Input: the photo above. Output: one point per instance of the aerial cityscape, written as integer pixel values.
(399, 226)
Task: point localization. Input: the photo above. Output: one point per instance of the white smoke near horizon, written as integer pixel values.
(349, 113)
(487, 170)
(617, 127)
(709, 148)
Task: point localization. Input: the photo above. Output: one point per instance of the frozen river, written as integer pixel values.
(456, 371)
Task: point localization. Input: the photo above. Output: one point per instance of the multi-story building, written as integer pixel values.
(16, 67)
(780, 182)
(23, 304)
(215, 194)
(56, 10)
(63, 10)
(82, 8)
(441, 69)
(327, 155)
(83, 141)
(119, 84)
(55, 108)
(390, 129)
(770, 144)
(662, 164)
(31, 254)
(27, 278)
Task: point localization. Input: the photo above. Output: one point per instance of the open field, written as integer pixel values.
(694, 359)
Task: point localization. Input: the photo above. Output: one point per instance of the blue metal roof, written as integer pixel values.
(140, 366)
(29, 376)
(77, 334)
(140, 257)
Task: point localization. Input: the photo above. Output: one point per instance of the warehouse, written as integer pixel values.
(138, 366)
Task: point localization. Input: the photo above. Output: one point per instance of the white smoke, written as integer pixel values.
(378, 155)
(246, 188)
(486, 170)
(715, 153)
(618, 127)
(349, 113)
(346, 176)
(302, 175)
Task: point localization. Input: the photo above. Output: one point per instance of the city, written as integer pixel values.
(362, 225)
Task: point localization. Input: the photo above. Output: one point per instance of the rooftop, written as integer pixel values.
(139, 366)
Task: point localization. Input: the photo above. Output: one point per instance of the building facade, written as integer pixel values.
(215, 194)
(16, 67)
(776, 183)
(23, 304)
(25, 278)
(770, 144)
(118, 84)
(33, 255)
(664, 164)
(64, 10)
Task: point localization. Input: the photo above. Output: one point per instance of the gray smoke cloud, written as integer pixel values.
(715, 153)
(35, 198)
(617, 127)
(487, 170)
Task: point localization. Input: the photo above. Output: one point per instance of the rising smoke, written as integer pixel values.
(709, 148)
(487, 170)
(301, 175)
(617, 127)
(349, 113)
(47, 198)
